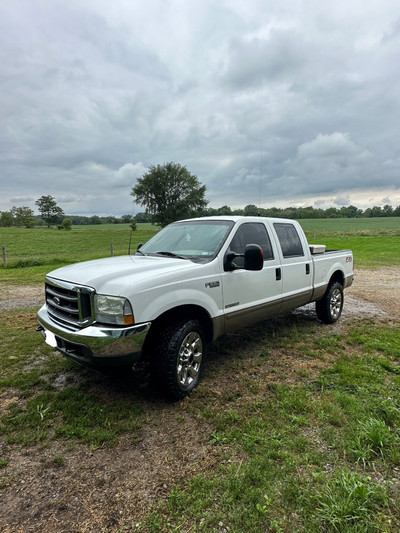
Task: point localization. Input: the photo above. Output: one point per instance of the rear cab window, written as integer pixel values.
(289, 240)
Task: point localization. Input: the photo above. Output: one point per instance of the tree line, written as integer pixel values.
(24, 216)
(170, 192)
(53, 215)
(297, 213)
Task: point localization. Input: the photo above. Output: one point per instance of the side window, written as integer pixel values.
(289, 240)
(251, 233)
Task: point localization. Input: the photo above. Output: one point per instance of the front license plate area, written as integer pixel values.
(50, 338)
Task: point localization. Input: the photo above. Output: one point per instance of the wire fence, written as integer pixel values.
(19, 260)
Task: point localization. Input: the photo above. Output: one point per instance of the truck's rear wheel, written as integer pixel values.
(178, 360)
(329, 308)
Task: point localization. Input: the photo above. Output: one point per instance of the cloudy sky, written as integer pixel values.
(268, 102)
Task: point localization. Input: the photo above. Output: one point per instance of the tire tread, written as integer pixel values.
(163, 360)
(322, 307)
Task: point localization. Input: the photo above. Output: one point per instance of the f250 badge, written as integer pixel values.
(212, 284)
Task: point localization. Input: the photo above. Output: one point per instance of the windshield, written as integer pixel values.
(197, 240)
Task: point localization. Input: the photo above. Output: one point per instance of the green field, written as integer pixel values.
(381, 225)
(33, 252)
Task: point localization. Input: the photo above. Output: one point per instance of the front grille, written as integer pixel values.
(69, 304)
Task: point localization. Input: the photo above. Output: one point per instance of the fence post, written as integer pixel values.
(112, 250)
(3, 253)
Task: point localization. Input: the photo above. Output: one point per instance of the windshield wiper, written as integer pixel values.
(171, 254)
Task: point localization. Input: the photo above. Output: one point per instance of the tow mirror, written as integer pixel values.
(229, 265)
(253, 257)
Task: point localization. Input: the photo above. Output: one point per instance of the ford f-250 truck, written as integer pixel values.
(189, 284)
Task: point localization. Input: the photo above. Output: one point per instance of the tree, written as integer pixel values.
(126, 219)
(143, 217)
(95, 219)
(111, 220)
(66, 224)
(51, 213)
(169, 192)
(350, 211)
(23, 216)
(375, 211)
(224, 210)
(6, 219)
(251, 210)
(387, 210)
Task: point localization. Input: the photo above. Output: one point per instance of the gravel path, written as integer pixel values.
(18, 297)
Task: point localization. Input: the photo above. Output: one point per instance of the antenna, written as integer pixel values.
(260, 179)
(130, 235)
(130, 240)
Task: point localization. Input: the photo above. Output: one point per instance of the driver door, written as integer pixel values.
(251, 296)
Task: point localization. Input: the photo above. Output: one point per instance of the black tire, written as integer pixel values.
(329, 308)
(178, 358)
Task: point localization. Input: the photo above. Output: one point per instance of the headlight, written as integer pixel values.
(113, 310)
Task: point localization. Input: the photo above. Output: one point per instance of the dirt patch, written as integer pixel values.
(377, 292)
(106, 489)
(18, 297)
(374, 293)
(91, 490)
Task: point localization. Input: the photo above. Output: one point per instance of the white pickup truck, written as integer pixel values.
(189, 284)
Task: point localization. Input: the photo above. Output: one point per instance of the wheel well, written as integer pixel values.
(183, 312)
(338, 276)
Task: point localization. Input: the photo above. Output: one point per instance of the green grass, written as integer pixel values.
(374, 242)
(52, 398)
(348, 501)
(82, 242)
(296, 452)
(369, 251)
(318, 455)
(31, 253)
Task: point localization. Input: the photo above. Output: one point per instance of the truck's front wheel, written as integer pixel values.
(178, 359)
(329, 308)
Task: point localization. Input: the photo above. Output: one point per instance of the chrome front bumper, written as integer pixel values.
(95, 345)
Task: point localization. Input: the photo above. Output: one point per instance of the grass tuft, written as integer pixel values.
(349, 502)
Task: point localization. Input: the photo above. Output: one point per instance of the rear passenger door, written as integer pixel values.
(296, 267)
(251, 296)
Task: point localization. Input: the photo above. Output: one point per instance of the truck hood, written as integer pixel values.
(113, 273)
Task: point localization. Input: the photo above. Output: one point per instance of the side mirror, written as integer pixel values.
(253, 257)
(229, 265)
(139, 246)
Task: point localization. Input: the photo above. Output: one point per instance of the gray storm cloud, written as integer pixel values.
(267, 104)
